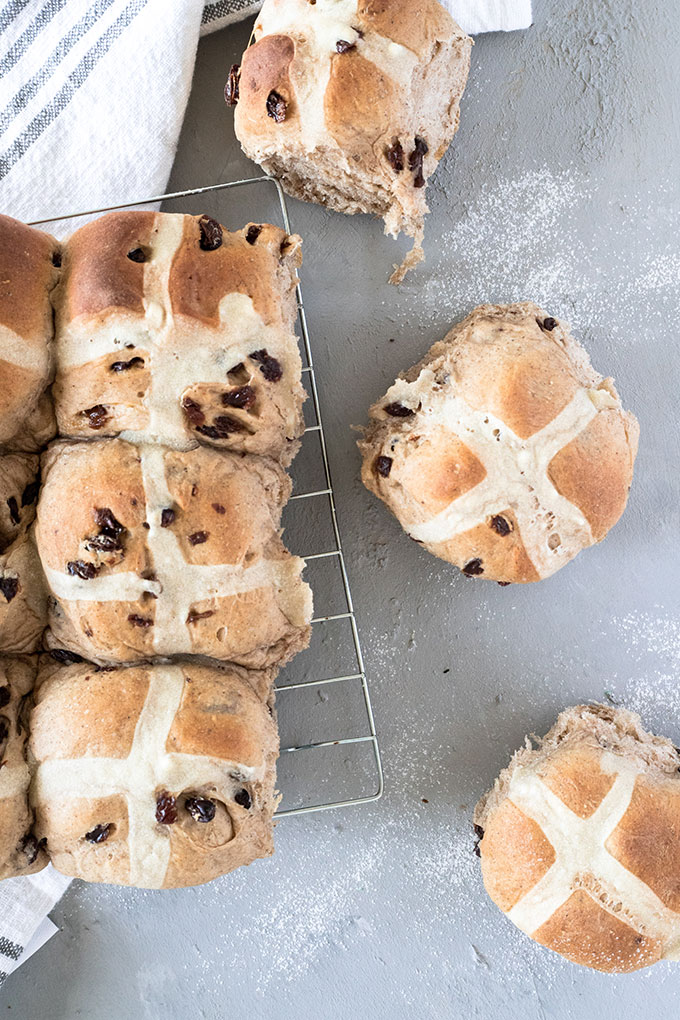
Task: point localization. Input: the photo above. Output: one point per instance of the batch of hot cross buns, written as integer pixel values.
(150, 403)
(152, 359)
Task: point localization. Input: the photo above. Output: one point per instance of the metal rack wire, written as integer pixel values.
(354, 673)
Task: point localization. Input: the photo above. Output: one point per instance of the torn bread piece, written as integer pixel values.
(352, 103)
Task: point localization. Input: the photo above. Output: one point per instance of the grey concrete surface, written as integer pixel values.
(562, 187)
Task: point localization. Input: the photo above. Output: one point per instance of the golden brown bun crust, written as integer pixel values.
(415, 24)
(580, 841)
(20, 851)
(26, 278)
(27, 275)
(64, 723)
(576, 471)
(170, 339)
(266, 67)
(577, 778)
(97, 274)
(647, 840)
(502, 556)
(358, 92)
(585, 933)
(208, 737)
(503, 451)
(225, 510)
(199, 279)
(516, 855)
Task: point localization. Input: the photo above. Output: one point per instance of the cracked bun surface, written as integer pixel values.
(171, 329)
(352, 103)
(167, 552)
(580, 841)
(503, 451)
(168, 783)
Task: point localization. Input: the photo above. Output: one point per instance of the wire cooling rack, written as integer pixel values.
(329, 756)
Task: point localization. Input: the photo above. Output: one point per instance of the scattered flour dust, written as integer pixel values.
(521, 239)
(644, 631)
(322, 906)
(265, 928)
(530, 238)
(321, 901)
(652, 640)
(300, 912)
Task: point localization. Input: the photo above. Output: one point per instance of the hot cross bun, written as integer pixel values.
(153, 776)
(580, 841)
(353, 104)
(171, 329)
(155, 552)
(503, 451)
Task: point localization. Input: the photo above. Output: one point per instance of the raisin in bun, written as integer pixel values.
(171, 329)
(152, 776)
(154, 552)
(29, 262)
(503, 451)
(353, 104)
(581, 841)
(19, 487)
(23, 610)
(21, 852)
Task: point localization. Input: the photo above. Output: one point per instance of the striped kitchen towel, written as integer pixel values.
(93, 94)
(24, 925)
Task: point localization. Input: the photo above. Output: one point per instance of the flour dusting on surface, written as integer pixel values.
(522, 239)
(652, 640)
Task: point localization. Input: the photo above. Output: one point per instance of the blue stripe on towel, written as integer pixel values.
(31, 87)
(64, 96)
(10, 949)
(16, 52)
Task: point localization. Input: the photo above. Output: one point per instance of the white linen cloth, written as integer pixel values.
(93, 94)
(24, 925)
